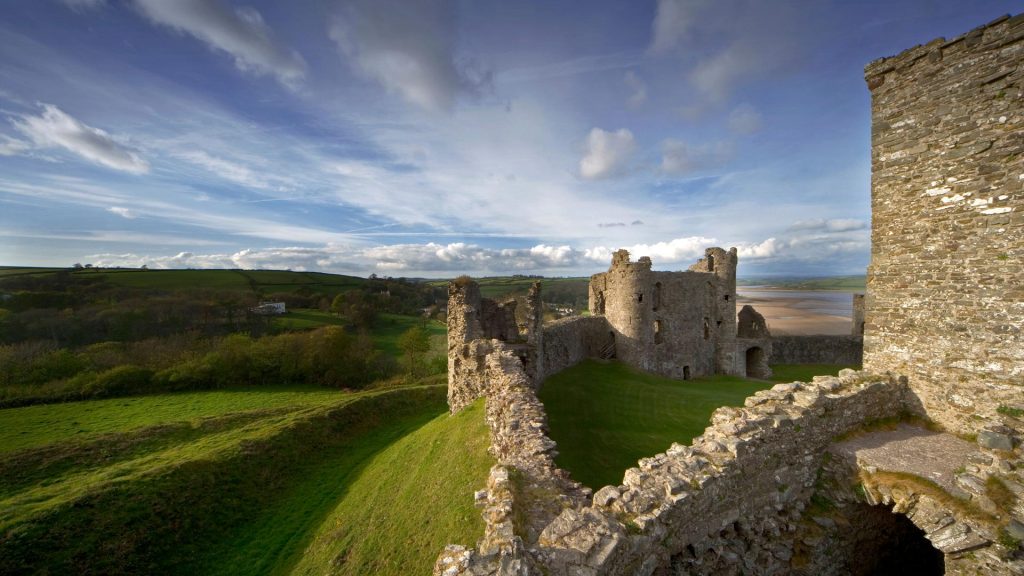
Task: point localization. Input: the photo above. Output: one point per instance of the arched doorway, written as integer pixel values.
(756, 363)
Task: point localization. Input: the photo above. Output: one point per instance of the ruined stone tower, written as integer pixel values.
(677, 324)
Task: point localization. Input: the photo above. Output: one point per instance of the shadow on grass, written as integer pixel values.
(189, 519)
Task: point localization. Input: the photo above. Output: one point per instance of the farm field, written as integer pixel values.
(267, 281)
(606, 415)
(214, 485)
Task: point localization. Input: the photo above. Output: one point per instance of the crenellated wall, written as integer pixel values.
(945, 294)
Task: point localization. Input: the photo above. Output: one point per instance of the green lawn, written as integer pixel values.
(249, 496)
(305, 319)
(409, 501)
(805, 372)
(606, 416)
(33, 426)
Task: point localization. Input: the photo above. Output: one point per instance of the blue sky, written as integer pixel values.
(433, 138)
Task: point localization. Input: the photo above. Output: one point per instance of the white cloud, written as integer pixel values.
(226, 169)
(435, 259)
(638, 88)
(122, 212)
(241, 33)
(767, 249)
(408, 47)
(607, 153)
(54, 128)
(680, 158)
(12, 147)
(673, 21)
(723, 44)
(744, 119)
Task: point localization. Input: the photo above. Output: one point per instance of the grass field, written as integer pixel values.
(805, 372)
(33, 426)
(264, 281)
(244, 492)
(411, 500)
(305, 319)
(606, 416)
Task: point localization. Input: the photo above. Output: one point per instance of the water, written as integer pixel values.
(829, 302)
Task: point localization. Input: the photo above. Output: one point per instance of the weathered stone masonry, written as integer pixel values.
(945, 299)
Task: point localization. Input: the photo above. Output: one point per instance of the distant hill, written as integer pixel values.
(259, 281)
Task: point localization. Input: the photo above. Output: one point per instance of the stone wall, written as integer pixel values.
(569, 341)
(817, 349)
(945, 297)
(750, 474)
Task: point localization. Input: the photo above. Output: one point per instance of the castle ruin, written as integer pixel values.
(677, 324)
(800, 480)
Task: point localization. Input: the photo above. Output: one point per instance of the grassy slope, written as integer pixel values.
(805, 372)
(605, 416)
(253, 490)
(305, 319)
(411, 500)
(33, 426)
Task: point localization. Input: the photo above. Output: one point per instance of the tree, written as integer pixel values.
(415, 343)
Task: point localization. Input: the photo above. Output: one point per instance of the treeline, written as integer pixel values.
(34, 372)
(74, 310)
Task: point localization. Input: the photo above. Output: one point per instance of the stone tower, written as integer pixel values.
(945, 293)
(677, 324)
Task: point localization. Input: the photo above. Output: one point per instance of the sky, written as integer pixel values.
(431, 138)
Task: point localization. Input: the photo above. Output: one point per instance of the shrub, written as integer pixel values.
(120, 381)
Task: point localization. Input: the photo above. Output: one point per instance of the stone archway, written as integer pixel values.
(756, 365)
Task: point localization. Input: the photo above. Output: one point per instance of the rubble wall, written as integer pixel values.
(744, 481)
(817, 349)
(945, 290)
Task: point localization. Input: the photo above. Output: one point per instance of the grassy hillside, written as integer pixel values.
(606, 416)
(33, 426)
(265, 281)
(415, 497)
(243, 492)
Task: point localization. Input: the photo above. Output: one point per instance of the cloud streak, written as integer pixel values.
(607, 153)
(240, 33)
(54, 128)
(409, 48)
